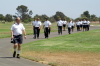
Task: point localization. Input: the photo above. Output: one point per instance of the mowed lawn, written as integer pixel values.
(5, 29)
(79, 49)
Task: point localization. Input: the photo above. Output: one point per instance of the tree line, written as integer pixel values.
(26, 16)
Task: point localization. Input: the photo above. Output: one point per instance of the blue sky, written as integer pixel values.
(71, 8)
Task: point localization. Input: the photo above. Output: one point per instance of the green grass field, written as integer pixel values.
(83, 42)
(78, 42)
(5, 29)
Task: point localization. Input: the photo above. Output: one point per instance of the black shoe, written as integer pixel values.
(34, 37)
(45, 37)
(18, 56)
(14, 54)
(37, 37)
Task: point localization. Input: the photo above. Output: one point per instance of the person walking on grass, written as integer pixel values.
(37, 28)
(64, 24)
(46, 27)
(16, 34)
(59, 25)
(69, 26)
(33, 24)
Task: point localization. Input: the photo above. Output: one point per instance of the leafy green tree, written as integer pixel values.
(24, 13)
(52, 19)
(8, 18)
(94, 18)
(1, 17)
(85, 15)
(99, 19)
(37, 16)
(59, 15)
(14, 16)
(42, 17)
(30, 13)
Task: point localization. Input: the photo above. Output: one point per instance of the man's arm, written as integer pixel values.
(12, 37)
(24, 32)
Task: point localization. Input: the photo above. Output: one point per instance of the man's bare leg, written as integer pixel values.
(19, 48)
(15, 46)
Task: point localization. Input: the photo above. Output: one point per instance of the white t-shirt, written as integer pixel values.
(38, 24)
(17, 28)
(47, 23)
(33, 23)
(88, 22)
(73, 23)
(80, 22)
(84, 23)
(64, 22)
(69, 24)
(77, 23)
(60, 23)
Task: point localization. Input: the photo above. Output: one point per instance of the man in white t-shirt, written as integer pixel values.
(69, 25)
(88, 24)
(46, 26)
(78, 25)
(49, 30)
(60, 24)
(16, 34)
(37, 28)
(81, 24)
(33, 24)
(84, 25)
(73, 26)
(64, 24)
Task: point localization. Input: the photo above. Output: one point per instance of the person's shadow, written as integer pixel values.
(6, 57)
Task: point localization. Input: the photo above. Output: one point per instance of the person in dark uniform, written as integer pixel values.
(33, 24)
(16, 34)
(64, 24)
(37, 28)
(78, 25)
(69, 25)
(60, 24)
(84, 25)
(81, 25)
(88, 24)
(46, 27)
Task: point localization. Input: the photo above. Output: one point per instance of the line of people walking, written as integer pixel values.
(37, 26)
(80, 24)
(85, 24)
(61, 24)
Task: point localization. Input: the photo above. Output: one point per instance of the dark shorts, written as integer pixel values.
(18, 39)
(84, 26)
(64, 25)
(72, 27)
(81, 26)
